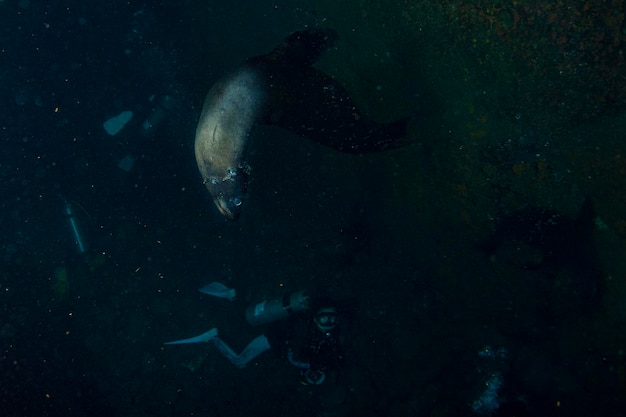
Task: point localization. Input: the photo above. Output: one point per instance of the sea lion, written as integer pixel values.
(282, 89)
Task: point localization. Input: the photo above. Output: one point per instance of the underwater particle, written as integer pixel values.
(600, 224)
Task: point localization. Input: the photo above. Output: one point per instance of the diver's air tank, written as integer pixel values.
(277, 309)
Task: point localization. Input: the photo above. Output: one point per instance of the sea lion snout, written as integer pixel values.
(231, 208)
(228, 191)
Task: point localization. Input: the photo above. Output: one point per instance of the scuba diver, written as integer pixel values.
(302, 330)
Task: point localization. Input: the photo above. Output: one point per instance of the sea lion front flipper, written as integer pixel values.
(303, 48)
(314, 105)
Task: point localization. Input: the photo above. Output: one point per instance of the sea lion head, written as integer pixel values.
(228, 190)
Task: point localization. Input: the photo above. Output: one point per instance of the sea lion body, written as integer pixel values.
(231, 109)
(283, 89)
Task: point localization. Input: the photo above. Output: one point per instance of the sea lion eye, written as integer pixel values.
(236, 201)
(231, 173)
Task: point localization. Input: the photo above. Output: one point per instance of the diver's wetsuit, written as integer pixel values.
(304, 345)
(296, 339)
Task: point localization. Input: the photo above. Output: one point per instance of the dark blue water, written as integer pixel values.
(395, 238)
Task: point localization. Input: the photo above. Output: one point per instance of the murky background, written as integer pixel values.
(493, 245)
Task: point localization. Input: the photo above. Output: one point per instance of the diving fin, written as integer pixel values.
(217, 289)
(203, 338)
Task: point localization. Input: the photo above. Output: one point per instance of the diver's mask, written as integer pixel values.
(326, 319)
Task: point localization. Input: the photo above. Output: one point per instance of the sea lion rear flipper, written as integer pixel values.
(303, 48)
(314, 105)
